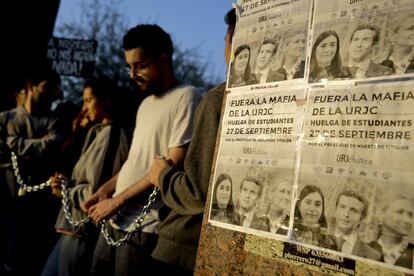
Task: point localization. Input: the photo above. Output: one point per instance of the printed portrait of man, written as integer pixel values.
(351, 209)
(263, 70)
(363, 39)
(251, 190)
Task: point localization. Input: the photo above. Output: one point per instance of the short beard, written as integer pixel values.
(156, 88)
(153, 88)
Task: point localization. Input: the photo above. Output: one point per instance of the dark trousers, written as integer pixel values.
(76, 255)
(30, 246)
(71, 256)
(161, 268)
(132, 258)
(7, 230)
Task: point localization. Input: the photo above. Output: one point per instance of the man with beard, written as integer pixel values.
(28, 211)
(184, 190)
(163, 126)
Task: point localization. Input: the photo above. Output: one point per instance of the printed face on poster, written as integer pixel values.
(270, 46)
(355, 182)
(354, 40)
(253, 179)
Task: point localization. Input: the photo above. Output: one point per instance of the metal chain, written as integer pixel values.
(134, 225)
(66, 206)
(19, 180)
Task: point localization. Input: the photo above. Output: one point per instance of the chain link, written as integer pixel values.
(65, 197)
(134, 225)
(19, 180)
(66, 206)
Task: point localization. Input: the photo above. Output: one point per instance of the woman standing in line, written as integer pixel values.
(104, 151)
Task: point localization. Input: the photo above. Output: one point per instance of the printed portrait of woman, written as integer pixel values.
(240, 70)
(401, 35)
(222, 208)
(395, 230)
(325, 62)
(293, 63)
(310, 223)
(276, 220)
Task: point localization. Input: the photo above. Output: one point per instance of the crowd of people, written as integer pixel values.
(114, 206)
(120, 207)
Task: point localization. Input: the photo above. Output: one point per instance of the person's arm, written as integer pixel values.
(101, 160)
(108, 207)
(37, 146)
(104, 192)
(4, 149)
(56, 184)
(185, 191)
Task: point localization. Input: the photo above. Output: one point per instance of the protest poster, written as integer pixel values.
(269, 43)
(351, 184)
(72, 57)
(258, 140)
(369, 39)
(356, 172)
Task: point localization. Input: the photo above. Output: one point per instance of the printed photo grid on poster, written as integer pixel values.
(317, 134)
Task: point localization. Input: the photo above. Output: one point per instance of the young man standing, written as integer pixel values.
(163, 126)
(184, 191)
(35, 136)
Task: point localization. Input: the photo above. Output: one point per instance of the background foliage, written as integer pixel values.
(104, 22)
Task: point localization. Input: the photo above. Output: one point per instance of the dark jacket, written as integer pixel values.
(298, 74)
(361, 249)
(264, 225)
(184, 192)
(36, 141)
(406, 258)
(313, 236)
(254, 224)
(390, 64)
(374, 70)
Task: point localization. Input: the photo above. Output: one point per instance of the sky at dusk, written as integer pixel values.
(191, 23)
